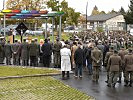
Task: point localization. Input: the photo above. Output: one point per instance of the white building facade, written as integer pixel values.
(107, 22)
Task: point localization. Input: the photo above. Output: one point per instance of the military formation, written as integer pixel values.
(93, 51)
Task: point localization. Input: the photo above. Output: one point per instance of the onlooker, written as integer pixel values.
(79, 58)
(65, 61)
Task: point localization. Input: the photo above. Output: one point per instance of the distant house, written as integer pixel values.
(113, 21)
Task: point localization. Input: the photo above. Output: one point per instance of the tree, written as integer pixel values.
(95, 11)
(102, 12)
(122, 11)
(129, 15)
(24, 4)
(70, 16)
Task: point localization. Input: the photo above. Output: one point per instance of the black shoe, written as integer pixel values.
(126, 85)
(108, 85)
(130, 85)
(119, 81)
(106, 81)
(113, 85)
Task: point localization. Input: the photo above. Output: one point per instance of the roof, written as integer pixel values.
(28, 14)
(102, 17)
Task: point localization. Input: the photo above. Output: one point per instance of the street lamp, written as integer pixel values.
(3, 4)
(86, 14)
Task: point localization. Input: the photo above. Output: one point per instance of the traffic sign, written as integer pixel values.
(21, 28)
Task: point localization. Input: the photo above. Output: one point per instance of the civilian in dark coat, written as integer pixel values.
(79, 58)
(47, 52)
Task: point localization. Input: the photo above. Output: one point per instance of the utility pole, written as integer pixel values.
(3, 4)
(86, 14)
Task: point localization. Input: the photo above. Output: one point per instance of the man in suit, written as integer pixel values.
(47, 52)
(16, 52)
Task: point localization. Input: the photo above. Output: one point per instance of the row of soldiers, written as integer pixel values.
(32, 54)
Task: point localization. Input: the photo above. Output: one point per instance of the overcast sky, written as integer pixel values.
(105, 5)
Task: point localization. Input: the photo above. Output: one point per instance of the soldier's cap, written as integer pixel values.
(112, 47)
(99, 41)
(57, 39)
(115, 51)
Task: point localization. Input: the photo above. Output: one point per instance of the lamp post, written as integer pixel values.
(3, 4)
(86, 14)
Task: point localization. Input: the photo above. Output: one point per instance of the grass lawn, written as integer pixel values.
(64, 36)
(38, 88)
(19, 71)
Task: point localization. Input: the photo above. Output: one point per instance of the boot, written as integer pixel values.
(130, 83)
(126, 83)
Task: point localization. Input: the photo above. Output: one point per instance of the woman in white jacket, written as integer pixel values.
(65, 61)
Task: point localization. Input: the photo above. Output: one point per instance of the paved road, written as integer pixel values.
(99, 90)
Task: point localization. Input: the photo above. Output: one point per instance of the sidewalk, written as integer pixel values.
(99, 90)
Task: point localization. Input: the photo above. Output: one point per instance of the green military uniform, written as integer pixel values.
(128, 60)
(114, 64)
(8, 53)
(33, 53)
(96, 56)
(106, 61)
(56, 50)
(122, 52)
(24, 53)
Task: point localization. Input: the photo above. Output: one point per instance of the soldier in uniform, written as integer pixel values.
(8, 53)
(36, 41)
(114, 64)
(106, 60)
(56, 50)
(128, 60)
(16, 52)
(33, 52)
(24, 52)
(122, 52)
(96, 56)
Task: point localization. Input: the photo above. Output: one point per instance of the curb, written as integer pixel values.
(36, 75)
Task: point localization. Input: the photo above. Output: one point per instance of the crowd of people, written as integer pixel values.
(94, 50)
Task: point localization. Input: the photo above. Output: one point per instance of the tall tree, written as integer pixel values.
(24, 4)
(122, 11)
(95, 11)
(129, 15)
